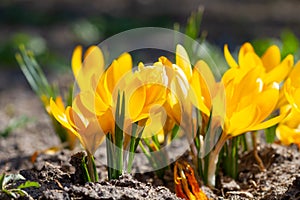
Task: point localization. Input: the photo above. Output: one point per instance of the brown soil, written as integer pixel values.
(57, 176)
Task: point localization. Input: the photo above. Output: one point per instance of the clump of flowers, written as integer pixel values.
(150, 105)
(288, 129)
(114, 103)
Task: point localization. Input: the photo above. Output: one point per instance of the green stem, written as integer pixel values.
(109, 151)
(210, 173)
(114, 143)
(134, 142)
(91, 166)
(87, 177)
(147, 154)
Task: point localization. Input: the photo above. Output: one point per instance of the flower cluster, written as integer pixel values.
(288, 130)
(126, 104)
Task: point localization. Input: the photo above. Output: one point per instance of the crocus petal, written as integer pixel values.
(74, 119)
(244, 50)
(239, 121)
(93, 65)
(250, 60)
(199, 93)
(154, 124)
(117, 70)
(183, 61)
(271, 58)
(77, 60)
(165, 61)
(292, 94)
(268, 123)
(266, 102)
(173, 107)
(169, 125)
(281, 71)
(294, 76)
(90, 103)
(136, 103)
(155, 94)
(203, 68)
(93, 137)
(93, 60)
(60, 104)
(240, 89)
(285, 134)
(229, 59)
(59, 115)
(141, 65)
(106, 122)
(125, 65)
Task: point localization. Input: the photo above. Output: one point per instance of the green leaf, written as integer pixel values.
(17, 123)
(290, 43)
(110, 158)
(87, 176)
(19, 191)
(193, 24)
(133, 145)
(28, 184)
(12, 178)
(270, 134)
(10, 193)
(261, 45)
(174, 131)
(2, 176)
(34, 74)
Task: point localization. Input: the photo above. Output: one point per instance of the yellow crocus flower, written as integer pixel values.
(180, 76)
(272, 68)
(145, 93)
(97, 98)
(87, 129)
(145, 88)
(249, 101)
(91, 68)
(71, 138)
(264, 73)
(288, 130)
(292, 87)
